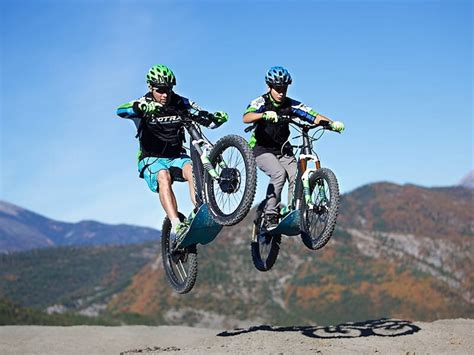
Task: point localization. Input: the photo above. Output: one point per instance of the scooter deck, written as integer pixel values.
(203, 228)
(289, 225)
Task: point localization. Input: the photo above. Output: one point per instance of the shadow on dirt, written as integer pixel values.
(383, 327)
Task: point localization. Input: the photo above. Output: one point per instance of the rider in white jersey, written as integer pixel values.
(273, 156)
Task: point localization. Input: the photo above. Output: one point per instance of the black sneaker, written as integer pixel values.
(271, 221)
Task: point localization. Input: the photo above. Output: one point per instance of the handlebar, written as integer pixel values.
(290, 119)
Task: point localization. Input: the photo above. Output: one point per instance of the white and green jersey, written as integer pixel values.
(269, 137)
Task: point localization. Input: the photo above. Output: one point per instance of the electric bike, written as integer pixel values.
(225, 182)
(314, 208)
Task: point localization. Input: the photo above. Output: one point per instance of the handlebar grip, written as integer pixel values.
(249, 128)
(325, 124)
(203, 114)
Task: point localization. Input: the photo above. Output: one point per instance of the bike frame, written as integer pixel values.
(302, 190)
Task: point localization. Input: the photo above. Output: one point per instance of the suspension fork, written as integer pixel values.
(298, 193)
(305, 176)
(203, 148)
(305, 157)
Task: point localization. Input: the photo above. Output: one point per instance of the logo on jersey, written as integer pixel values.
(164, 119)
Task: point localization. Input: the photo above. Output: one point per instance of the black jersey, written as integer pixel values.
(162, 134)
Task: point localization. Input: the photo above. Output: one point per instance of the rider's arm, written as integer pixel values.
(306, 113)
(128, 110)
(131, 109)
(251, 117)
(254, 111)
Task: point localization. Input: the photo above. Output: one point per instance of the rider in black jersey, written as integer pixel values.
(160, 128)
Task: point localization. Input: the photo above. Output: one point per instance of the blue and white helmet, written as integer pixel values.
(278, 76)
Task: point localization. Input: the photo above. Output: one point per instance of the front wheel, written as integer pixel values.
(230, 197)
(318, 219)
(181, 265)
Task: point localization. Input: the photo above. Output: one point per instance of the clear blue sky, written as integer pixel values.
(398, 73)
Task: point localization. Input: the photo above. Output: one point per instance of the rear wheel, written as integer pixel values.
(231, 197)
(181, 265)
(264, 247)
(318, 219)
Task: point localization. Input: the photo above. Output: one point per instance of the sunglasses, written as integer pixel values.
(162, 89)
(280, 89)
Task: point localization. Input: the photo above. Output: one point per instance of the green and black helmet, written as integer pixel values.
(160, 75)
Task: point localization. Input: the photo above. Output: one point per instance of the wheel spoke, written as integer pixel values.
(231, 156)
(182, 269)
(179, 272)
(221, 194)
(235, 199)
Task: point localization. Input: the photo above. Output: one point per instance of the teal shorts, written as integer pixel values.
(150, 166)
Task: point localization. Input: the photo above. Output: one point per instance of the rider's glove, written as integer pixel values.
(220, 117)
(337, 126)
(150, 107)
(270, 116)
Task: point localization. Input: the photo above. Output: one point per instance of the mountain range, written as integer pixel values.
(21, 229)
(400, 251)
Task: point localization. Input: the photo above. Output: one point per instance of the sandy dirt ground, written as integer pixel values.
(371, 337)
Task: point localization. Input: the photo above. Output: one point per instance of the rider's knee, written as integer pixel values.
(188, 172)
(279, 175)
(164, 178)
